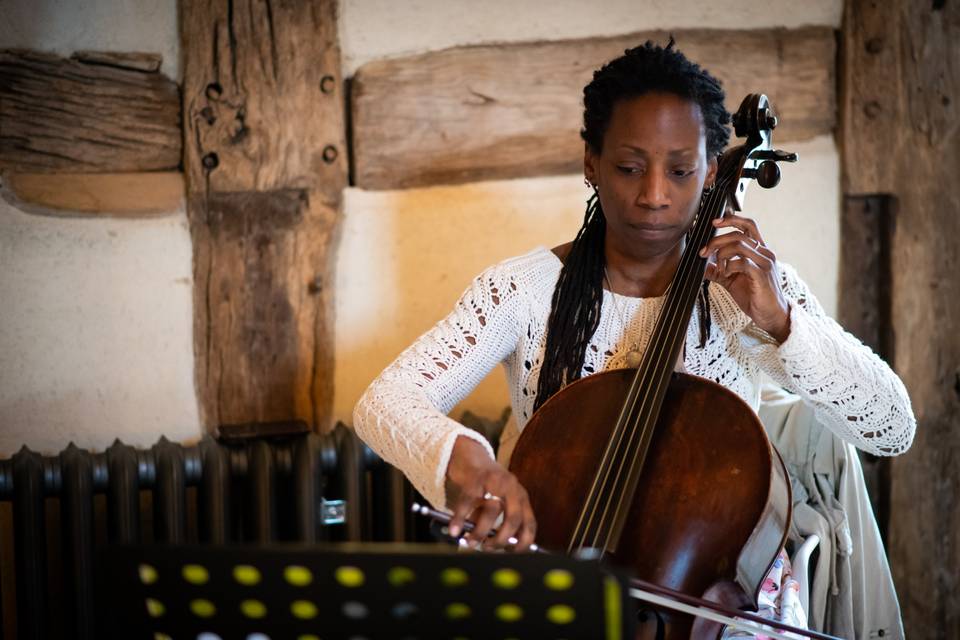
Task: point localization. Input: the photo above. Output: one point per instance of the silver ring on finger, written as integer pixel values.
(489, 496)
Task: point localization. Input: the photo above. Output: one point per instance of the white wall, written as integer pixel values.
(371, 29)
(96, 322)
(65, 26)
(95, 314)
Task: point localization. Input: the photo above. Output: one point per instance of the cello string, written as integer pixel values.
(629, 407)
(673, 320)
(678, 307)
(675, 306)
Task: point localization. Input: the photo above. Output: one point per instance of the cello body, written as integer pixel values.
(713, 504)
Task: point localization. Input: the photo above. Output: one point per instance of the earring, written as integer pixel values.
(589, 184)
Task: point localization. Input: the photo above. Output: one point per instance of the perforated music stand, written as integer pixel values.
(356, 591)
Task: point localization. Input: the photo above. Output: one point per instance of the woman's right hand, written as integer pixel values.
(472, 474)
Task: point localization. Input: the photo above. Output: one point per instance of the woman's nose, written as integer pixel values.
(654, 192)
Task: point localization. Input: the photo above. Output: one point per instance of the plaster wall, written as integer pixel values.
(95, 313)
(96, 322)
(372, 29)
(65, 26)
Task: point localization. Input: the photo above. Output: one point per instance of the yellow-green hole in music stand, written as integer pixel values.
(558, 579)
(148, 573)
(246, 574)
(458, 610)
(303, 609)
(454, 577)
(505, 578)
(253, 608)
(401, 576)
(561, 614)
(349, 576)
(297, 576)
(509, 612)
(155, 608)
(195, 574)
(203, 608)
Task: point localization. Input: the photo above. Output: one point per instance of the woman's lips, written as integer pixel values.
(647, 226)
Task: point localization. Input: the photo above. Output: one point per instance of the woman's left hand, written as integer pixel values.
(741, 263)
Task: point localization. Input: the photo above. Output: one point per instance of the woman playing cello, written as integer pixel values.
(654, 124)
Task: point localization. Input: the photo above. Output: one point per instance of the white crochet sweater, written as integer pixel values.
(502, 318)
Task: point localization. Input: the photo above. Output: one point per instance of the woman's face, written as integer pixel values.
(651, 172)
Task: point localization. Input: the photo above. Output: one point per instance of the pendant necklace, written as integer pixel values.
(634, 356)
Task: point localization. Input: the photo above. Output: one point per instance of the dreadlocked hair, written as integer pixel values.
(575, 308)
(578, 296)
(651, 68)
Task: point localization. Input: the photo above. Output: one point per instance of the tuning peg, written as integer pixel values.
(775, 154)
(767, 174)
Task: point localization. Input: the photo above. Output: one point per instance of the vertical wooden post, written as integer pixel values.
(900, 84)
(864, 308)
(265, 165)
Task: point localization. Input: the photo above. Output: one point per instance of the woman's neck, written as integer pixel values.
(640, 276)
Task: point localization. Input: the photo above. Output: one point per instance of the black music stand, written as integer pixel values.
(353, 591)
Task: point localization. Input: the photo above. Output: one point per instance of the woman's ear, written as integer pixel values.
(589, 164)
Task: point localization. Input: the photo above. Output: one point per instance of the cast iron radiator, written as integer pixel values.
(302, 488)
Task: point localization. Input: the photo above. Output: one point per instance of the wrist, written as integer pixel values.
(466, 456)
(469, 461)
(779, 329)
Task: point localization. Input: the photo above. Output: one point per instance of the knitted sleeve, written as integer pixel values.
(402, 414)
(853, 392)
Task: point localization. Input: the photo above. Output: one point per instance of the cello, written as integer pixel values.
(664, 473)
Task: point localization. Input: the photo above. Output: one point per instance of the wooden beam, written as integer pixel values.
(60, 115)
(136, 60)
(900, 85)
(865, 278)
(265, 167)
(864, 309)
(503, 111)
(871, 89)
(122, 195)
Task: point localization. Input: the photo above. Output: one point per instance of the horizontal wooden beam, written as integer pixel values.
(123, 195)
(61, 115)
(135, 60)
(504, 111)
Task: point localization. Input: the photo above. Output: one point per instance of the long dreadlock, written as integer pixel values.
(578, 296)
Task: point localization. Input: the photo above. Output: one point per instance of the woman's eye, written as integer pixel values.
(628, 169)
(682, 173)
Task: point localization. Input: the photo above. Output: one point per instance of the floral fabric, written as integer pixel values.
(779, 600)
